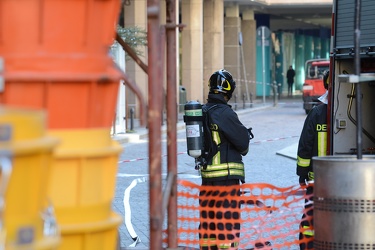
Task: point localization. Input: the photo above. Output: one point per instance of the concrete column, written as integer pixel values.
(288, 44)
(248, 29)
(135, 14)
(232, 27)
(309, 47)
(264, 61)
(324, 53)
(213, 40)
(300, 61)
(317, 46)
(118, 55)
(192, 49)
(279, 58)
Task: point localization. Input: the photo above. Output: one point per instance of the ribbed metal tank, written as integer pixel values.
(344, 202)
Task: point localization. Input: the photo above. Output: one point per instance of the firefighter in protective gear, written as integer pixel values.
(224, 169)
(313, 142)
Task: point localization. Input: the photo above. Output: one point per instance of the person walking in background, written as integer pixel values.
(313, 142)
(290, 74)
(225, 168)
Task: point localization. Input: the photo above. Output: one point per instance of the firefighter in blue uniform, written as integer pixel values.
(225, 168)
(313, 142)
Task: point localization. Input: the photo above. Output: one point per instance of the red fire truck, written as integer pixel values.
(313, 88)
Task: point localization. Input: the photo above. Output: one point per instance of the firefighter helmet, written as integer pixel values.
(222, 81)
(326, 79)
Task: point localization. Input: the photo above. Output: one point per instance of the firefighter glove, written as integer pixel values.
(251, 135)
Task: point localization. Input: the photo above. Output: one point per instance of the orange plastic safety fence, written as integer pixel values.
(248, 216)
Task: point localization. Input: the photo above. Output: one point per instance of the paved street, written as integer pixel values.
(271, 160)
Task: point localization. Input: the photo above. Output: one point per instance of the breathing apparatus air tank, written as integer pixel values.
(193, 119)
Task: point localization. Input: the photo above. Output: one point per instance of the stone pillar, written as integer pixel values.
(192, 49)
(213, 40)
(232, 27)
(135, 15)
(248, 29)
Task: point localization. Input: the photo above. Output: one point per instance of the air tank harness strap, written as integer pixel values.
(192, 118)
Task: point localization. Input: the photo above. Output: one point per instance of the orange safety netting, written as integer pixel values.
(248, 216)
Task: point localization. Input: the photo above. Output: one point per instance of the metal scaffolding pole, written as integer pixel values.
(155, 85)
(171, 194)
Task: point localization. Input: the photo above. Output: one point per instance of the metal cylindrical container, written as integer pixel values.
(344, 202)
(194, 128)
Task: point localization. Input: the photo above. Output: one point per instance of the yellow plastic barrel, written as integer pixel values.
(26, 156)
(91, 235)
(82, 187)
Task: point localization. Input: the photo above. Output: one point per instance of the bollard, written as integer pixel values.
(126, 123)
(131, 119)
(244, 100)
(251, 100)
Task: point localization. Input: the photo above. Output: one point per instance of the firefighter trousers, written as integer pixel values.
(306, 235)
(220, 216)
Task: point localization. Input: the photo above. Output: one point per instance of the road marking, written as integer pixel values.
(128, 212)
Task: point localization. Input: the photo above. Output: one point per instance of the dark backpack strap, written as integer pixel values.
(210, 147)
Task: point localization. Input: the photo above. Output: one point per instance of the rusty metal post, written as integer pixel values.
(154, 122)
(172, 119)
(131, 53)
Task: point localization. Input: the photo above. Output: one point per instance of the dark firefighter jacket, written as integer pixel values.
(313, 140)
(232, 139)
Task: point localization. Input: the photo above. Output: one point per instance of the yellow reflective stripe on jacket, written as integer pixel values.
(216, 139)
(307, 231)
(221, 173)
(303, 162)
(322, 143)
(225, 169)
